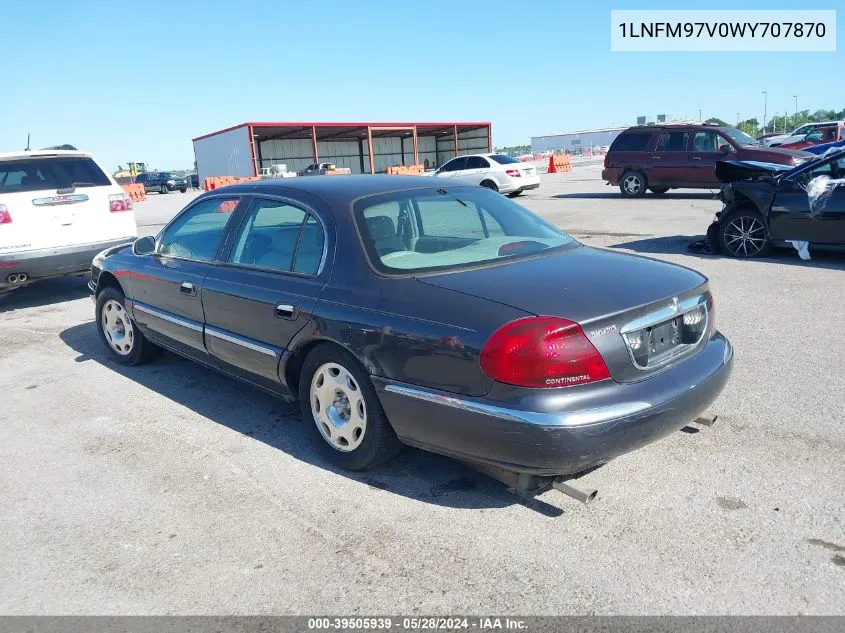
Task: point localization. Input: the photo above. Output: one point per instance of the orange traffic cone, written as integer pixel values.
(552, 168)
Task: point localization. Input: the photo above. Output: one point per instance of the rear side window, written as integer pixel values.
(631, 142)
(504, 159)
(279, 236)
(673, 142)
(36, 174)
(475, 162)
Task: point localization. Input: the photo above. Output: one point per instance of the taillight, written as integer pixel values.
(542, 352)
(5, 216)
(513, 173)
(119, 202)
(606, 156)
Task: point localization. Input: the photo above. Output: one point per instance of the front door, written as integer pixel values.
(708, 146)
(266, 290)
(167, 289)
(668, 162)
(811, 211)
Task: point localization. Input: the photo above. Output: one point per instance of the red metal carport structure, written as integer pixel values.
(441, 140)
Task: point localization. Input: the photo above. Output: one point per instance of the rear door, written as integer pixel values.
(60, 200)
(708, 146)
(267, 288)
(797, 215)
(669, 162)
(475, 169)
(165, 287)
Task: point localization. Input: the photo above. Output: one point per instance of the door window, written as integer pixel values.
(814, 137)
(673, 142)
(474, 162)
(196, 233)
(456, 164)
(707, 142)
(281, 237)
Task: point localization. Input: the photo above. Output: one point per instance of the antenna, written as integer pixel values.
(27, 142)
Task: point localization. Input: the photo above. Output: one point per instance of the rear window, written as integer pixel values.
(631, 142)
(37, 174)
(503, 159)
(440, 229)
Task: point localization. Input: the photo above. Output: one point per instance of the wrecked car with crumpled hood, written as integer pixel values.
(769, 205)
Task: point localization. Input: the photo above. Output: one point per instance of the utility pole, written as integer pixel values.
(699, 115)
(795, 118)
(765, 99)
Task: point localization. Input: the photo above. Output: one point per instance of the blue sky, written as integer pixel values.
(132, 81)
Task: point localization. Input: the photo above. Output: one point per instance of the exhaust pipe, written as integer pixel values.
(22, 277)
(706, 420)
(584, 496)
(17, 278)
(13, 279)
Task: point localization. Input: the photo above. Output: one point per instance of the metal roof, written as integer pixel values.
(307, 125)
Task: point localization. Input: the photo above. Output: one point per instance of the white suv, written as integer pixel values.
(58, 209)
(494, 171)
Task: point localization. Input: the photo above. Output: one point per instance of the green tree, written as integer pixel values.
(716, 121)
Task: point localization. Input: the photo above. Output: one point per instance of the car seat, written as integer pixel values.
(383, 232)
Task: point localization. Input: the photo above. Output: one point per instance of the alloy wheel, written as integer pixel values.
(633, 184)
(338, 407)
(745, 236)
(117, 327)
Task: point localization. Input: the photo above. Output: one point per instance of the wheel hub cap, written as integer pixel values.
(338, 407)
(117, 327)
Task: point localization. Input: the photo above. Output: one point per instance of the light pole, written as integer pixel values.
(699, 115)
(765, 98)
(795, 119)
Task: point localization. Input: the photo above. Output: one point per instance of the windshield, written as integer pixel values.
(440, 229)
(503, 159)
(741, 137)
(37, 174)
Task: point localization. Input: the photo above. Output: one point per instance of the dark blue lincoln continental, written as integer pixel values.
(405, 310)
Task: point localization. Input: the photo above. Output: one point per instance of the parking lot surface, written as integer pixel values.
(168, 489)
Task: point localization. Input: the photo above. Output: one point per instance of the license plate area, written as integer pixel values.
(659, 343)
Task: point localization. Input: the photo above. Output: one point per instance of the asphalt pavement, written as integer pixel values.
(168, 489)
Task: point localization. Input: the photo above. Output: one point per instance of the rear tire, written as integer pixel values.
(339, 404)
(184, 190)
(743, 234)
(489, 184)
(658, 191)
(514, 194)
(633, 184)
(123, 339)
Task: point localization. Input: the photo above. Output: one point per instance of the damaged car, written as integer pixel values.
(768, 205)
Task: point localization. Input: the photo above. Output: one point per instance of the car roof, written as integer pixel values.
(41, 153)
(338, 189)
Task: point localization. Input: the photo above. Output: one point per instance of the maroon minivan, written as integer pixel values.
(674, 155)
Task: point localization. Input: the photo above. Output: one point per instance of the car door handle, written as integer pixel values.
(188, 288)
(696, 157)
(285, 311)
(655, 157)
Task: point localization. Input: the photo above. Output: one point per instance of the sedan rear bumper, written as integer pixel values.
(561, 442)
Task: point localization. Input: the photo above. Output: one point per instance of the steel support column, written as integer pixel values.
(370, 148)
(314, 143)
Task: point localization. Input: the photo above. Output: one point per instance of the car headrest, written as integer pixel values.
(381, 227)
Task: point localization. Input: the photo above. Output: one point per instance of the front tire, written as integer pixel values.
(743, 234)
(633, 184)
(125, 342)
(162, 189)
(340, 405)
(184, 190)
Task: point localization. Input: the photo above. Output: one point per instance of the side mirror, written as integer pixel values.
(725, 149)
(144, 245)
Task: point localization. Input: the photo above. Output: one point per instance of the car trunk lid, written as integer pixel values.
(610, 295)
